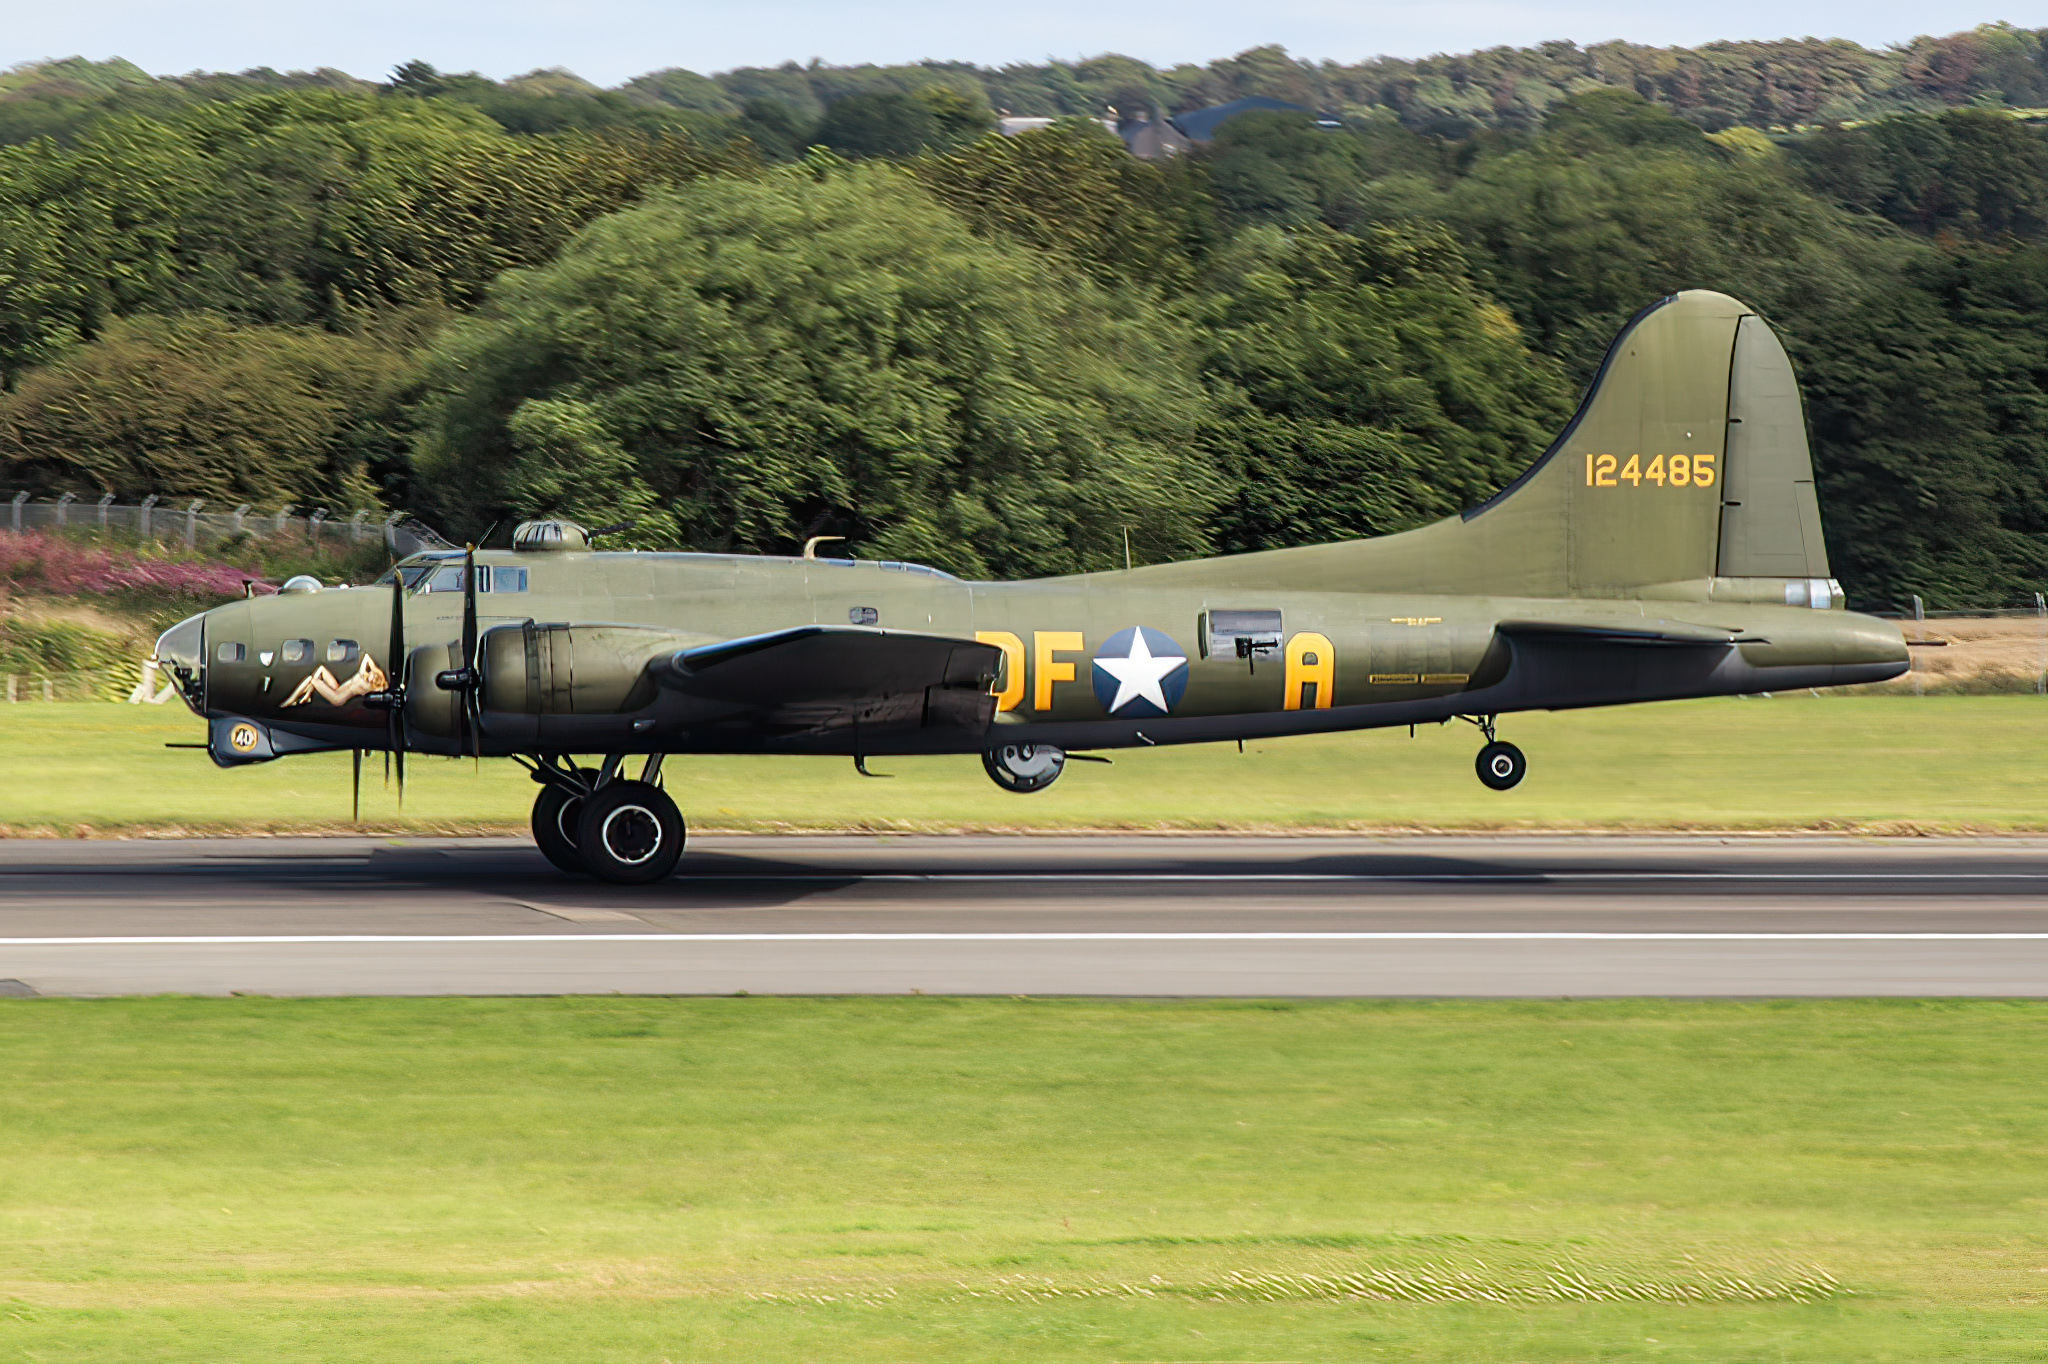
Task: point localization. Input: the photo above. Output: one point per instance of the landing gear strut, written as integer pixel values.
(1500, 764)
(594, 821)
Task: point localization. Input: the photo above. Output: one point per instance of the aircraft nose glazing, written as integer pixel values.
(181, 653)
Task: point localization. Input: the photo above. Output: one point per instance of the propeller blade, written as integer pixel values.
(395, 681)
(355, 807)
(472, 738)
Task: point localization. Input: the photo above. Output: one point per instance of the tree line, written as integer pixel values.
(1003, 355)
(1775, 84)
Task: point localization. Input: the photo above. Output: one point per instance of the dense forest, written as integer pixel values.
(743, 309)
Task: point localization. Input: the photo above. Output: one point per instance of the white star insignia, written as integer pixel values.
(1138, 674)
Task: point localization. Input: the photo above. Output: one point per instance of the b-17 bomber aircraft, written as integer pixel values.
(1667, 545)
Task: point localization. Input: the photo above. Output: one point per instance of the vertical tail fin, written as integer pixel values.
(1684, 474)
(1686, 463)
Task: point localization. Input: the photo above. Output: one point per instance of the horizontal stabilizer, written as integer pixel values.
(1656, 633)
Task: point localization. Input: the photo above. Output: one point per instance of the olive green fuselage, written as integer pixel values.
(1316, 660)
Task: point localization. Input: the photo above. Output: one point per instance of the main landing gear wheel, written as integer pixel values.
(557, 819)
(1501, 765)
(632, 834)
(1024, 768)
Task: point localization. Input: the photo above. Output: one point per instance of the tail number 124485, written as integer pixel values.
(1665, 471)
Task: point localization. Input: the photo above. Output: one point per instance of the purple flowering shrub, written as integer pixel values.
(35, 561)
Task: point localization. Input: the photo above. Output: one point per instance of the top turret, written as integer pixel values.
(544, 537)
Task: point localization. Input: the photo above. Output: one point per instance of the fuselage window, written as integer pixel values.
(297, 650)
(231, 653)
(342, 650)
(1241, 634)
(505, 580)
(446, 579)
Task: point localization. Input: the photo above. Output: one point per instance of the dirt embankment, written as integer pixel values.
(1975, 654)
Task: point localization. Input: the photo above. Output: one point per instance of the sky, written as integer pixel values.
(608, 41)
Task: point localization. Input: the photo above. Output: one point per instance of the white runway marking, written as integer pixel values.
(1396, 935)
(1447, 878)
(690, 877)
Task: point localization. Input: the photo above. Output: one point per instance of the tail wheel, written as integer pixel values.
(557, 824)
(631, 835)
(1501, 765)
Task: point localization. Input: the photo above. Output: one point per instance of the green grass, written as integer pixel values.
(1793, 762)
(933, 1179)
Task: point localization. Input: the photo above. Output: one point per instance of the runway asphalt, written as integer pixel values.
(1133, 916)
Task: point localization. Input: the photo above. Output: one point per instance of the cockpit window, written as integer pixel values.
(231, 653)
(297, 650)
(342, 650)
(439, 575)
(413, 573)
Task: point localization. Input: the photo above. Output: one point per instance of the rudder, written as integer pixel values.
(1770, 516)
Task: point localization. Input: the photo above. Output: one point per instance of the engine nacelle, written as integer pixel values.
(534, 669)
(532, 673)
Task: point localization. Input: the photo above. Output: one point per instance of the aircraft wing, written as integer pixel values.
(1667, 634)
(816, 677)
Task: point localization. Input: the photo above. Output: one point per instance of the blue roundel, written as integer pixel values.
(1140, 672)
